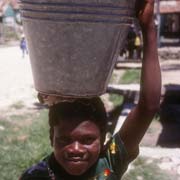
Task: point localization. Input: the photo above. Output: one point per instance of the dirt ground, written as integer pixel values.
(16, 79)
(17, 88)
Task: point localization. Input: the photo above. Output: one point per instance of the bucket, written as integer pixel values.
(74, 44)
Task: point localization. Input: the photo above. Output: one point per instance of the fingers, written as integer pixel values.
(145, 13)
(141, 5)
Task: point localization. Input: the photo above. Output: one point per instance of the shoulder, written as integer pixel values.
(38, 171)
(117, 155)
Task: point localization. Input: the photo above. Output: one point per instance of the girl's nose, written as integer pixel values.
(76, 148)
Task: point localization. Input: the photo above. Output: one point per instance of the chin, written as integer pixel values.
(76, 172)
(76, 169)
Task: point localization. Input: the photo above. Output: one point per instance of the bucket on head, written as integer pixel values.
(73, 45)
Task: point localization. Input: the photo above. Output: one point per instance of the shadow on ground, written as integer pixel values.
(172, 43)
(170, 117)
(172, 67)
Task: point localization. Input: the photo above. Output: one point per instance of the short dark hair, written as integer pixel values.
(92, 109)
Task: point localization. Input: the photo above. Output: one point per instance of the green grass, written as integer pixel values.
(130, 76)
(143, 169)
(116, 99)
(24, 141)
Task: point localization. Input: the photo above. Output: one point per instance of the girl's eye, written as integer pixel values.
(88, 140)
(62, 140)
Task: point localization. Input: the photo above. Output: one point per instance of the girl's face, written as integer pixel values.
(76, 145)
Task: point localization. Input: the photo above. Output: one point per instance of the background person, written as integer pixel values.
(23, 46)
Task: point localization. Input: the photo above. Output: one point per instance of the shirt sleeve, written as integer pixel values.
(117, 155)
(38, 171)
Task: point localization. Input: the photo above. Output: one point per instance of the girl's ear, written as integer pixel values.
(103, 148)
(106, 142)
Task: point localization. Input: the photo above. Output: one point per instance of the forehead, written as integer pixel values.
(76, 127)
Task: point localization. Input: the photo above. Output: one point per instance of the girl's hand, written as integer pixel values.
(145, 13)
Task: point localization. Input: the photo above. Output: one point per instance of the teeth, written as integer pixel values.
(74, 157)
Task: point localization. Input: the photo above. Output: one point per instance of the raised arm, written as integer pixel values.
(137, 122)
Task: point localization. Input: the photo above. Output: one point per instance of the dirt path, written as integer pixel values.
(16, 79)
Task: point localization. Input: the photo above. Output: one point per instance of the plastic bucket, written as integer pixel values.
(73, 45)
